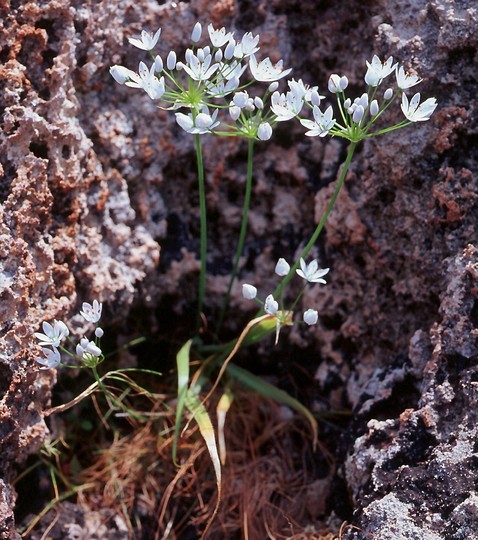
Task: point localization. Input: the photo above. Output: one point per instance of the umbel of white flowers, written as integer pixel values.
(87, 352)
(311, 273)
(221, 97)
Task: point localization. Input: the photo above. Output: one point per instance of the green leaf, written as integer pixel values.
(182, 361)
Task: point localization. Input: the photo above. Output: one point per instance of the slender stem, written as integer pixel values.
(322, 222)
(203, 218)
(242, 233)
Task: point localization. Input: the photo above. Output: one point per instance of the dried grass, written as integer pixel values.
(270, 481)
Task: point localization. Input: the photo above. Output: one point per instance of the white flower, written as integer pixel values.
(249, 291)
(311, 316)
(200, 70)
(265, 71)
(121, 74)
(311, 272)
(286, 106)
(264, 131)
(270, 305)
(406, 80)
(416, 112)
(221, 89)
(337, 83)
(323, 122)
(196, 33)
(247, 46)
(377, 71)
(231, 71)
(53, 334)
(52, 359)
(218, 37)
(282, 267)
(91, 313)
(310, 94)
(203, 123)
(148, 81)
(147, 40)
(87, 347)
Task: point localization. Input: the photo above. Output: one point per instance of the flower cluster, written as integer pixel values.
(87, 352)
(311, 273)
(359, 115)
(209, 81)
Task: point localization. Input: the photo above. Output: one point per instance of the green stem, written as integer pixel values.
(203, 218)
(242, 233)
(322, 222)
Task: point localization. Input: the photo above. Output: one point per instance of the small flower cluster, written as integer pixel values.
(209, 78)
(311, 273)
(87, 352)
(359, 115)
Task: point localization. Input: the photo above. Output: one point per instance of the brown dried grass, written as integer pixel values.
(270, 482)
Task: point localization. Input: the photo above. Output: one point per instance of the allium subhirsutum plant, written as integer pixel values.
(227, 91)
(222, 88)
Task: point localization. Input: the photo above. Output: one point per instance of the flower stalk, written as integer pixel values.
(242, 233)
(203, 231)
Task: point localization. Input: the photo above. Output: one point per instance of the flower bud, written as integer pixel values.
(282, 267)
(258, 103)
(218, 56)
(264, 131)
(240, 99)
(120, 74)
(196, 33)
(249, 292)
(188, 55)
(358, 114)
(363, 100)
(347, 103)
(99, 332)
(315, 98)
(343, 83)
(388, 93)
(273, 86)
(229, 51)
(334, 83)
(158, 64)
(234, 112)
(374, 108)
(249, 106)
(79, 350)
(200, 55)
(311, 316)
(171, 60)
